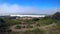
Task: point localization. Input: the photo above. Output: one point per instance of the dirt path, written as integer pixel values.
(25, 29)
(43, 27)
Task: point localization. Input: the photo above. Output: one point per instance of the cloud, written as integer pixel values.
(17, 9)
(5, 8)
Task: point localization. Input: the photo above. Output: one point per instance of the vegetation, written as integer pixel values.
(36, 31)
(35, 19)
(3, 27)
(18, 27)
(56, 16)
(5, 23)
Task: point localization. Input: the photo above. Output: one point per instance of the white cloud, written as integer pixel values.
(9, 9)
(5, 8)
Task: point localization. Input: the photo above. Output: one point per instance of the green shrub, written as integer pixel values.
(38, 31)
(18, 27)
(35, 19)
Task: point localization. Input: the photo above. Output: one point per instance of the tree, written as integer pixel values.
(3, 27)
(1, 21)
(35, 19)
(56, 16)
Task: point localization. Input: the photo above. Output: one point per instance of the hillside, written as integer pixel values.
(45, 25)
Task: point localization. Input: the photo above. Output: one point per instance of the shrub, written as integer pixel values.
(38, 31)
(18, 27)
(35, 19)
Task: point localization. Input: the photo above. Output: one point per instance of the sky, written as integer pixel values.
(29, 6)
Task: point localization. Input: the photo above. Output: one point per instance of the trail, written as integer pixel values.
(25, 29)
